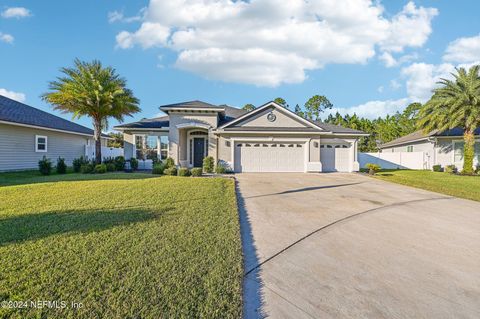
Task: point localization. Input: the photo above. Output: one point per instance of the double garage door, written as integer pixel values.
(288, 157)
(269, 157)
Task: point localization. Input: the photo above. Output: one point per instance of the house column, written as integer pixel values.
(356, 165)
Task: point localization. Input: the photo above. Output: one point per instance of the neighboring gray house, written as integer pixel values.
(27, 134)
(441, 148)
(267, 139)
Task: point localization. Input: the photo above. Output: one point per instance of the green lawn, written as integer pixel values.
(122, 245)
(454, 185)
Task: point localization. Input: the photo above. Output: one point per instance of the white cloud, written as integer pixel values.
(373, 109)
(149, 35)
(16, 12)
(7, 38)
(395, 85)
(463, 50)
(409, 28)
(422, 78)
(117, 16)
(20, 97)
(388, 59)
(238, 41)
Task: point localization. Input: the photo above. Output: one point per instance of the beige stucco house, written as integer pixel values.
(268, 139)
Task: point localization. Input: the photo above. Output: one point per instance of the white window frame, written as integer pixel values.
(36, 143)
(410, 148)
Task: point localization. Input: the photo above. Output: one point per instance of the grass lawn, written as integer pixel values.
(122, 245)
(449, 184)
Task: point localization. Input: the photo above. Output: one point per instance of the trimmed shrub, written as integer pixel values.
(78, 162)
(87, 168)
(184, 172)
(134, 164)
(110, 167)
(437, 168)
(158, 169)
(196, 171)
(45, 166)
(61, 166)
(451, 169)
(108, 160)
(373, 168)
(172, 171)
(208, 164)
(100, 168)
(220, 169)
(119, 163)
(169, 162)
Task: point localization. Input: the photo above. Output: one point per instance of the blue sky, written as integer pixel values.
(372, 58)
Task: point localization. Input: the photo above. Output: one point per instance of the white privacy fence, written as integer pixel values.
(106, 151)
(409, 160)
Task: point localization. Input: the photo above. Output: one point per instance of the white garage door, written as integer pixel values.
(269, 157)
(335, 157)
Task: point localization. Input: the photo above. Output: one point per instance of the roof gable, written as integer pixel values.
(282, 118)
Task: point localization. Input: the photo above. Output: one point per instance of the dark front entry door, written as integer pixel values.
(198, 151)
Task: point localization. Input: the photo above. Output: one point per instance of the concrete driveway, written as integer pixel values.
(349, 246)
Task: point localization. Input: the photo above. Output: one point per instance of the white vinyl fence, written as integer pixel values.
(106, 151)
(400, 160)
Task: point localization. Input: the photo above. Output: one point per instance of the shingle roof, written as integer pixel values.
(192, 104)
(16, 112)
(419, 135)
(157, 122)
(337, 129)
(230, 114)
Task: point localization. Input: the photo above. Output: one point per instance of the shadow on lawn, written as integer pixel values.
(252, 283)
(36, 226)
(34, 177)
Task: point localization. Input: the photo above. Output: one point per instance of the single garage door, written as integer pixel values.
(335, 157)
(269, 157)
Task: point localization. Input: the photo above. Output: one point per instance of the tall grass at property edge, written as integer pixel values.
(455, 185)
(163, 247)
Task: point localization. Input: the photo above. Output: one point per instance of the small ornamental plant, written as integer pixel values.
(373, 168)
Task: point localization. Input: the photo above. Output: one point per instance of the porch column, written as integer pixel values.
(212, 145)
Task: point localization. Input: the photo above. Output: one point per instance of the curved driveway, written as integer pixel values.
(349, 246)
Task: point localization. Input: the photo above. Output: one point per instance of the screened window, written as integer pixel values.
(151, 147)
(410, 148)
(40, 143)
(163, 147)
(458, 151)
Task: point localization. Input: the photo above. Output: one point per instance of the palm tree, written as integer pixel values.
(456, 103)
(89, 89)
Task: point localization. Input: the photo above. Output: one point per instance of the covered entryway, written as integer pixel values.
(269, 157)
(335, 157)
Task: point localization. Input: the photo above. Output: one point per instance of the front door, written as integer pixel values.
(198, 151)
